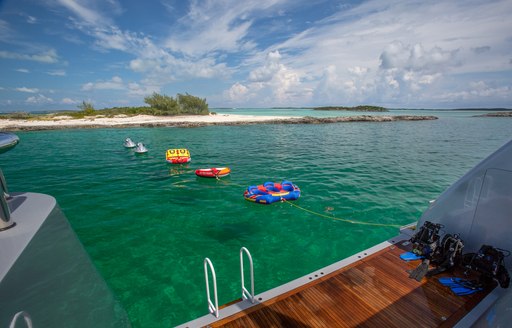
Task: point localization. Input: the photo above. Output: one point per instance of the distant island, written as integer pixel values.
(484, 109)
(363, 108)
(496, 114)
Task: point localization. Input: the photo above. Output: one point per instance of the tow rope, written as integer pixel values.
(344, 220)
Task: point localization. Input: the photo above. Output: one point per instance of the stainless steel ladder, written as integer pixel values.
(213, 307)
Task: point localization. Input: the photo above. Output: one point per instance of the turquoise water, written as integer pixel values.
(148, 225)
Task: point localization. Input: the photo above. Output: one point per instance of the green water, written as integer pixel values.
(148, 225)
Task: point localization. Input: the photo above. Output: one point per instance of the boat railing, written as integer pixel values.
(213, 306)
(5, 212)
(245, 293)
(7, 142)
(26, 318)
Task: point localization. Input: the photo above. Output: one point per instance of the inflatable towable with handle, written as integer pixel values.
(177, 156)
(271, 192)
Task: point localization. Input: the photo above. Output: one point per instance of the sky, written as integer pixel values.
(55, 54)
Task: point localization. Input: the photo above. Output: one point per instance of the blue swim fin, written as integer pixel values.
(410, 256)
(452, 281)
(465, 290)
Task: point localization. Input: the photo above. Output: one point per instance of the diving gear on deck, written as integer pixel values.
(410, 256)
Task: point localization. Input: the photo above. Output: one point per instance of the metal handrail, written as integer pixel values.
(213, 308)
(245, 293)
(5, 212)
(26, 318)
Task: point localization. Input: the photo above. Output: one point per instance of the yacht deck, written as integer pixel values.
(375, 291)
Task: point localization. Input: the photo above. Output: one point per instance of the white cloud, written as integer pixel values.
(273, 84)
(482, 89)
(237, 93)
(22, 70)
(136, 89)
(87, 14)
(39, 99)
(113, 38)
(476, 93)
(373, 52)
(357, 70)
(30, 19)
(214, 26)
(69, 101)
(429, 78)
(28, 90)
(416, 58)
(406, 69)
(481, 50)
(383, 52)
(270, 68)
(49, 56)
(5, 30)
(58, 72)
(285, 84)
(116, 83)
(161, 68)
(159, 65)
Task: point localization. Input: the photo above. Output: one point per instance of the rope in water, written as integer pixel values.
(331, 217)
(344, 220)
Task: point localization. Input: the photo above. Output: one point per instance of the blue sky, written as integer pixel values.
(54, 54)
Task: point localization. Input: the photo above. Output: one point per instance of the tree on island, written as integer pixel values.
(183, 104)
(159, 105)
(162, 104)
(192, 105)
(87, 108)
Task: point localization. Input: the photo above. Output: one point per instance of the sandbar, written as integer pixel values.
(121, 121)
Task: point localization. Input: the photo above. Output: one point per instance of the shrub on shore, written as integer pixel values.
(17, 116)
(159, 105)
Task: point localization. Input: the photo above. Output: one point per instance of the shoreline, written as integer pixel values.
(58, 123)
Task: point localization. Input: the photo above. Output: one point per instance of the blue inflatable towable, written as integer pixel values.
(271, 192)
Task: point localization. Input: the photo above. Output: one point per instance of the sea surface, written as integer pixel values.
(149, 225)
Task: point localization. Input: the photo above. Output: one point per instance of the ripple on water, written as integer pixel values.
(149, 225)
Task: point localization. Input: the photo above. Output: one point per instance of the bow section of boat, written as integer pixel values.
(374, 287)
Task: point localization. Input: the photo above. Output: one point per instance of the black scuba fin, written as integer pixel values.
(420, 271)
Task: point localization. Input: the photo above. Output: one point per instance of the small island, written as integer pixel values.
(183, 111)
(362, 108)
(496, 114)
(187, 121)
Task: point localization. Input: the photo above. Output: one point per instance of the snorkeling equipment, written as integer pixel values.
(490, 263)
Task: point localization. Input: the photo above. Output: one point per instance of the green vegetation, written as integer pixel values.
(87, 108)
(363, 108)
(159, 105)
(17, 116)
(192, 105)
(183, 104)
(162, 104)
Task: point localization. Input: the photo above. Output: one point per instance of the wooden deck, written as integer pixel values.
(373, 292)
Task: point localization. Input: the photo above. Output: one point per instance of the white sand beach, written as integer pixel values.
(123, 121)
(60, 122)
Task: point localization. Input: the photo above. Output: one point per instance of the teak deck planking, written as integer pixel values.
(375, 291)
